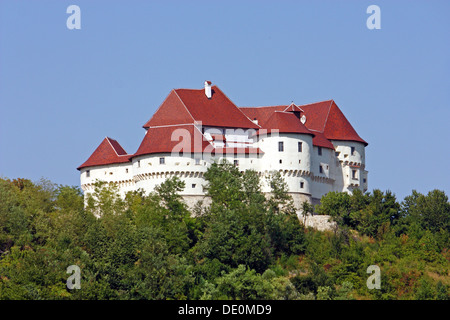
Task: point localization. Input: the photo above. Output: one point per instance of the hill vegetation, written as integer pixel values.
(242, 246)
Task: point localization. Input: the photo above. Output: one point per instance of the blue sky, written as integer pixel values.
(62, 91)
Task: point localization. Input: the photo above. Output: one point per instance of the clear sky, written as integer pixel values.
(62, 91)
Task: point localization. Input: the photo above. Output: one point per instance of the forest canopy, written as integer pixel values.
(243, 245)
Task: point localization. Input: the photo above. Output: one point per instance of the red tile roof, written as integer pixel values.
(168, 139)
(262, 114)
(284, 122)
(171, 111)
(323, 117)
(326, 117)
(184, 106)
(108, 152)
(319, 140)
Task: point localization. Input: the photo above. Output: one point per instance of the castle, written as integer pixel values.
(313, 146)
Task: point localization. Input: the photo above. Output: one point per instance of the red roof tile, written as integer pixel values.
(323, 117)
(262, 114)
(168, 139)
(285, 122)
(108, 152)
(192, 106)
(326, 117)
(319, 140)
(171, 111)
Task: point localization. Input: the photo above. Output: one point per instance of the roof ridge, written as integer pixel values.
(326, 118)
(307, 104)
(115, 151)
(184, 105)
(173, 125)
(235, 105)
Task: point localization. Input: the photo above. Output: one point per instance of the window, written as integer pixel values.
(197, 161)
(354, 174)
(353, 151)
(302, 184)
(281, 161)
(319, 150)
(299, 147)
(236, 162)
(126, 170)
(139, 163)
(162, 160)
(88, 173)
(320, 169)
(364, 180)
(281, 146)
(193, 186)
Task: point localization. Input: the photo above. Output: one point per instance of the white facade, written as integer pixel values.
(300, 166)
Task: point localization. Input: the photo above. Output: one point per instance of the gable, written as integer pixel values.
(108, 152)
(172, 111)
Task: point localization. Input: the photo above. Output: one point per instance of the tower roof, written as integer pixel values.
(326, 117)
(108, 152)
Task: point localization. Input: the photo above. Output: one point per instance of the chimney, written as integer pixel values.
(208, 89)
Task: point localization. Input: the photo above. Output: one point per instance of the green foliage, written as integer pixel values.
(243, 245)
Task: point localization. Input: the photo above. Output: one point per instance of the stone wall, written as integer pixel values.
(318, 222)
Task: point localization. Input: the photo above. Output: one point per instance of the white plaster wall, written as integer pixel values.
(111, 173)
(294, 165)
(321, 184)
(346, 160)
(151, 173)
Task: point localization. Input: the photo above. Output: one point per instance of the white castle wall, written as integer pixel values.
(301, 170)
(349, 161)
(121, 174)
(294, 165)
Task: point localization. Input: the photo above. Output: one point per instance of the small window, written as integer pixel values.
(193, 186)
(281, 146)
(281, 161)
(353, 151)
(299, 161)
(88, 173)
(300, 145)
(197, 161)
(139, 163)
(162, 160)
(354, 174)
(319, 150)
(364, 180)
(302, 184)
(320, 169)
(236, 162)
(126, 170)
